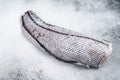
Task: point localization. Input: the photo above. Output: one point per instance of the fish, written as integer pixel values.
(65, 44)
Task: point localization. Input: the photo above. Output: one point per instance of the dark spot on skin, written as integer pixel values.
(41, 35)
(92, 52)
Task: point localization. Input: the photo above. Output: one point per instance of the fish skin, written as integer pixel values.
(65, 44)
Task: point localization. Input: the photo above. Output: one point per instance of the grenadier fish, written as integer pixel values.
(66, 45)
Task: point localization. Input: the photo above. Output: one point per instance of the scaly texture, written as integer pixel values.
(65, 44)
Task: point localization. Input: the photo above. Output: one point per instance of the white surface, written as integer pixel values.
(20, 59)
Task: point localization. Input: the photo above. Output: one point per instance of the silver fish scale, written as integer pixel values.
(66, 44)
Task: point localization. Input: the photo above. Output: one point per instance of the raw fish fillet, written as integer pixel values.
(66, 45)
